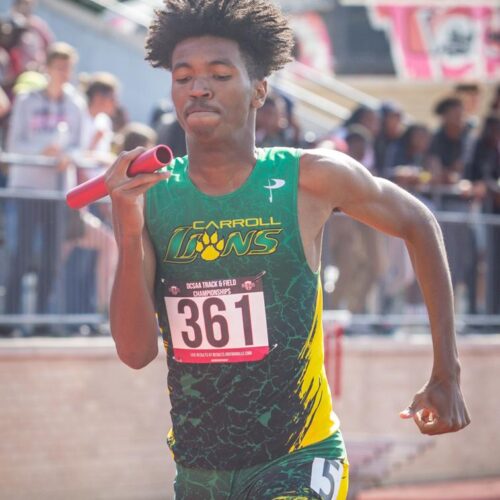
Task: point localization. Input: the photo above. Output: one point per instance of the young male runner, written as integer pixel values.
(225, 248)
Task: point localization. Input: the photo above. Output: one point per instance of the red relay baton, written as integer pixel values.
(94, 189)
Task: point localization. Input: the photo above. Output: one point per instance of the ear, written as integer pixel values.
(259, 93)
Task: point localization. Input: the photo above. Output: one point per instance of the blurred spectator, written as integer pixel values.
(4, 103)
(412, 146)
(386, 141)
(409, 156)
(369, 119)
(46, 122)
(484, 164)
(12, 29)
(25, 39)
(120, 118)
(4, 110)
(450, 145)
(354, 248)
(136, 134)
(484, 171)
(358, 141)
(448, 154)
(29, 81)
(363, 115)
(101, 92)
(160, 108)
(470, 96)
(36, 39)
(49, 122)
(170, 132)
(272, 125)
(96, 234)
(408, 172)
(293, 131)
(495, 103)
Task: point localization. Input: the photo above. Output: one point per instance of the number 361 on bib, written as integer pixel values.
(217, 321)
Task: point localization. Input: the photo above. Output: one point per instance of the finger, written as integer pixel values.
(464, 419)
(130, 183)
(139, 190)
(138, 187)
(439, 427)
(431, 428)
(411, 410)
(424, 416)
(151, 178)
(406, 414)
(146, 180)
(425, 419)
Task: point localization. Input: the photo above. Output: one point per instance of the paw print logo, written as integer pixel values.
(210, 247)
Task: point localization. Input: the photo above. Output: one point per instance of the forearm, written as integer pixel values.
(132, 315)
(427, 252)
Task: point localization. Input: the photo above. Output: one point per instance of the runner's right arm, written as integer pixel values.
(132, 315)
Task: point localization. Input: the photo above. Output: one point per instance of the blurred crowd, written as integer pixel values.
(68, 128)
(454, 169)
(64, 128)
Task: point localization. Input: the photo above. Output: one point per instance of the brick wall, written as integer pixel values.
(380, 379)
(77, 424)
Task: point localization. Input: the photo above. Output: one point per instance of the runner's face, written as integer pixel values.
(212, 92)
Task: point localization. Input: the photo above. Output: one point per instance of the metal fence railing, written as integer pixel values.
(58, 264)
(371, 275)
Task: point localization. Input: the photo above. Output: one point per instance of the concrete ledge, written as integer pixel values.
(411, 344)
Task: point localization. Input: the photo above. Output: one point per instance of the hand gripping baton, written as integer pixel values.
(94, 189)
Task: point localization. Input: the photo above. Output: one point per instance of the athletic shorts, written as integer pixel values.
(315, 472)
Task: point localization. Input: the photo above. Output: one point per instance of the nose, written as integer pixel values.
(201, 88)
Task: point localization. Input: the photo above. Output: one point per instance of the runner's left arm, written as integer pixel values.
(342, 183)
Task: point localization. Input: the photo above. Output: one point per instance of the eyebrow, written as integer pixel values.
(215, 62)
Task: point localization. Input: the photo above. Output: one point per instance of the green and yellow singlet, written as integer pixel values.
(241, 317)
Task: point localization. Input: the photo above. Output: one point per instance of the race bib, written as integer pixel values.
(217, 321)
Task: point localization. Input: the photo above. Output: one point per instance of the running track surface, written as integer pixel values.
(485, 489)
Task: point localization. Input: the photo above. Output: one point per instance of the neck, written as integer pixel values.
(453, 130)
(221, 168)
(54, 91)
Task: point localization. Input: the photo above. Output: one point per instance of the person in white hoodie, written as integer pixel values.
(47, 122)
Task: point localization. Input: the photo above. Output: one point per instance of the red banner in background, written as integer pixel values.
(434, 43)
(315, 45)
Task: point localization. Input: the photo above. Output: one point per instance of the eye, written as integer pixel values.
(222, 77)
(182, 79)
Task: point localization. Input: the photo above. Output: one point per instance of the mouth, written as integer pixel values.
(200, 110)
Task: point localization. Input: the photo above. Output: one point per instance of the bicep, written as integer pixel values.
(377, 202)
(386, 207)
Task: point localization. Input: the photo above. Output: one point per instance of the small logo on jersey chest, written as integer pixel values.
(272, 185)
